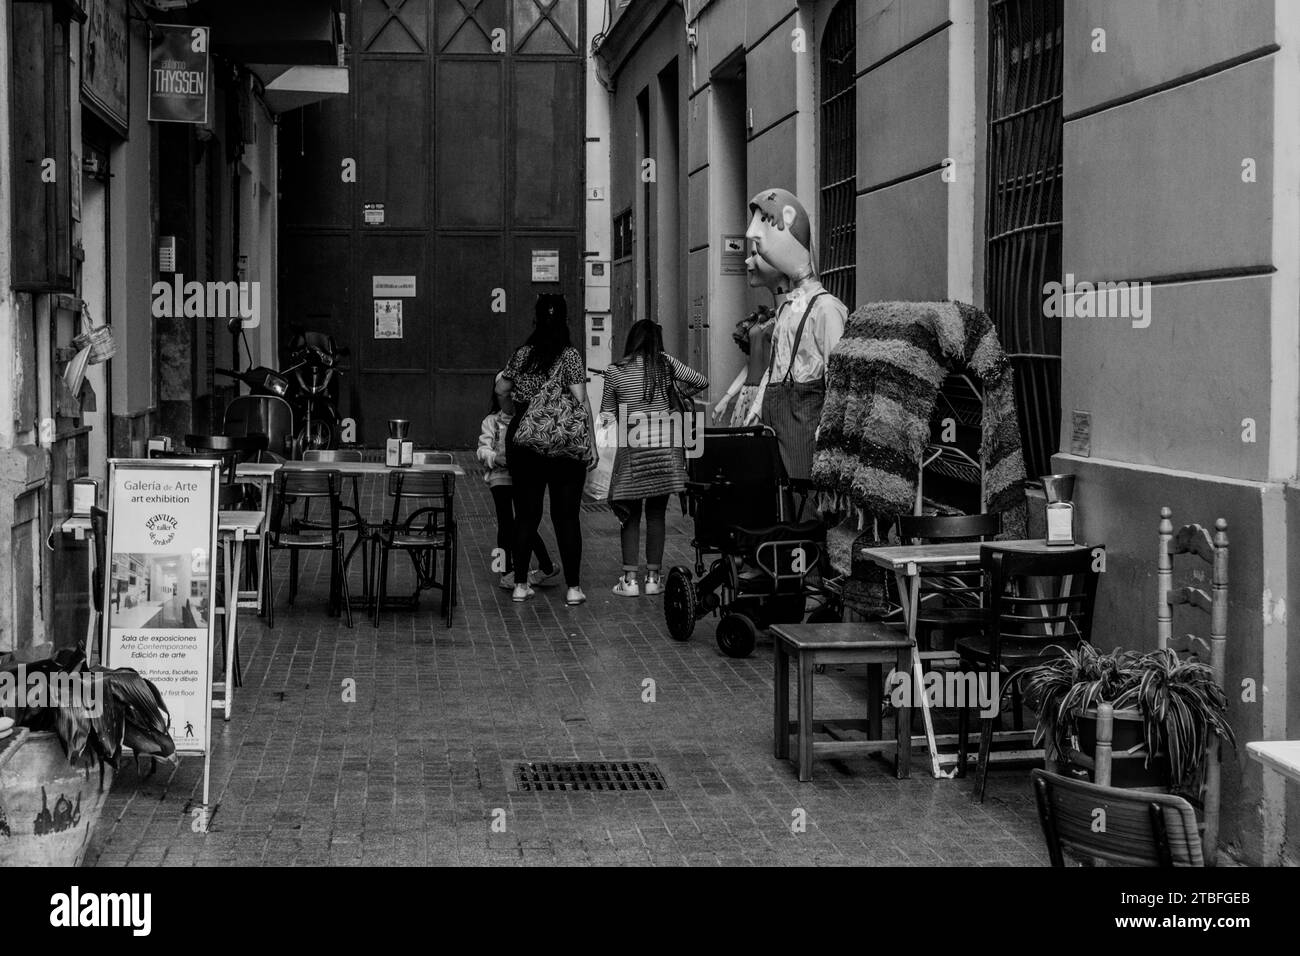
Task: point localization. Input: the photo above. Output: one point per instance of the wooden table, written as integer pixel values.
(874, 645)
(908, 562)
(1280, 755)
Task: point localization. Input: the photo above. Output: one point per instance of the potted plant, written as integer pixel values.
(1166, 709)
(48, 800)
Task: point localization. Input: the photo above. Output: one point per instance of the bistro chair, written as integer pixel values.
(1022, 627)
(283, 535)
(428, 529)
(1141, 828)
(229, 450)
(350, 518)
(433, 458)
(950, 600)
(266, 415)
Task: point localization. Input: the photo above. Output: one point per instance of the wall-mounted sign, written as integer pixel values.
(392, 287)
(178, 74)
(373, 213)
(546, 265)
(1081, 434)
(733, 255)
(166, 253)
(388, 318)
(160, 586)
(105, 62)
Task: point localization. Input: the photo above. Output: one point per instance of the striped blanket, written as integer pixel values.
(882, 384)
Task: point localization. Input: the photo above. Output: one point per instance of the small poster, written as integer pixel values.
(733, 255)
(388, 318)
(546, 265)
(1081, 434)
(374, 213)
(178, 74)
(160, 595)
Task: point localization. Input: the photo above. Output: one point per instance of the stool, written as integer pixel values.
(811, 644)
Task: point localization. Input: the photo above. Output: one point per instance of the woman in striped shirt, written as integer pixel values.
(649, 465)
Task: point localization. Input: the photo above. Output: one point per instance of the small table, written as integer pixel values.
(233, 528)
(812, 644)
(1280, 755)
(907, 562)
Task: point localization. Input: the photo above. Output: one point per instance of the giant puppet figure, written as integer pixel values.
(808, 327)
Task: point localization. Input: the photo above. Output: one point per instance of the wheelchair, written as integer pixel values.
(766, 567)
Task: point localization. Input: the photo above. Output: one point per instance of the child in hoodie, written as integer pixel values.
(496, 474)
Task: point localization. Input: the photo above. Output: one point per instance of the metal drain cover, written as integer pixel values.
(588, 775)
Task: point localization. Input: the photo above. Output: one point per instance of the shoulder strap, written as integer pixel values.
(794, 348)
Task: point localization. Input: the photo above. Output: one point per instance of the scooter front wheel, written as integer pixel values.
(317, 436)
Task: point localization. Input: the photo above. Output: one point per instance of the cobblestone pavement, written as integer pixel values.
(417, 769)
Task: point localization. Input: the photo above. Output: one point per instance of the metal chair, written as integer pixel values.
(1022, 628)
(350, 517)
(1140, 828)
(266, 415)
(433, 458)
(430, 528)
(230, 450)
(281, 535)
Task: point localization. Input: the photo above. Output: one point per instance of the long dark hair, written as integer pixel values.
(646, 339)
(550, 333)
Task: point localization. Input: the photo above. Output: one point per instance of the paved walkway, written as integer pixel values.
(418, 768)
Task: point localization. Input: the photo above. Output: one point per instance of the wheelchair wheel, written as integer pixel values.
(737, 635)
(680, 604)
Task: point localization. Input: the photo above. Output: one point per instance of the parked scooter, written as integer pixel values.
(315, 388)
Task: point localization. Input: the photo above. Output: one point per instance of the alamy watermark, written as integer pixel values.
(208, 300)
(970, 689)
(1098, 300)
(37, 688)
(636, 429)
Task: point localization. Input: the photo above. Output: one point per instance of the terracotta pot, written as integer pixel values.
(1126, 733)
(47, 807)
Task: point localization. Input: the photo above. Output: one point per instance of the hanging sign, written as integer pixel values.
(160, 587)
(388, 318)
(105, 61)
(546, 265)
(178, 74)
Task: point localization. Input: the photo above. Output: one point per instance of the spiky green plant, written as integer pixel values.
(1182, 706)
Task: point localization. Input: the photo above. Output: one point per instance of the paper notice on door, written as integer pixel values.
(388, 318)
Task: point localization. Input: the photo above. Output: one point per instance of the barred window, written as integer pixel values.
(839, 155)
(1024, 209)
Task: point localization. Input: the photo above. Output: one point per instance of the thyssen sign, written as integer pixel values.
(178, 74)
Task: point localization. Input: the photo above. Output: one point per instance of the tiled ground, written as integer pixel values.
(414, 770)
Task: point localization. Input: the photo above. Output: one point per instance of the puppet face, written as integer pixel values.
(780, 231)
(762, 275)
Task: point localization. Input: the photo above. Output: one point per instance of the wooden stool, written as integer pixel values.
(811, 644)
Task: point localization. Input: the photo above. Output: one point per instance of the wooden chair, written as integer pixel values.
(949, 599)
(1138, 828)
(1023, 628)
(429, 528)
(1195, 540)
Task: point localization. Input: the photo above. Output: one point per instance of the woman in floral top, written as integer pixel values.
(549, 349)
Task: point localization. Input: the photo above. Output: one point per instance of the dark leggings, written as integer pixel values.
(531, 476)
(504, 499)
(629, 516)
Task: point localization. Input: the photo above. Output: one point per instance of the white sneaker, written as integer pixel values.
(653, 583)
(522, 593)
(508, 581)
(627, 587)
(575, 597)
(538, 577)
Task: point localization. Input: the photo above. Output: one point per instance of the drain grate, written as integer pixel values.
(587, 775)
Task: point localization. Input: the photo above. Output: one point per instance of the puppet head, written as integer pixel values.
(781, 231)
(762, 275)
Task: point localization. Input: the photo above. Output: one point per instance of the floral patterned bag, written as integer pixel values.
(555, 424)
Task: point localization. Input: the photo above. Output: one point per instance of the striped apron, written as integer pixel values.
(794, 410)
